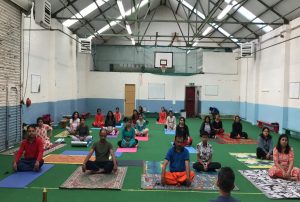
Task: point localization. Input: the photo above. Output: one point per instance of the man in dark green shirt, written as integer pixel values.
(103, 149)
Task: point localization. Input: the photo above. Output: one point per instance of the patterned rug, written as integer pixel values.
(225, 139)
(62, 134)
(80, 180)
(272, 188)
(53, 148)
(65, 159)
(250, 160)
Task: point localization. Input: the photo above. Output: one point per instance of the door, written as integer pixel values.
(190, 101)
(129, 99)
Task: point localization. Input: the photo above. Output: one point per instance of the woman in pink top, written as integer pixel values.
(283, 156)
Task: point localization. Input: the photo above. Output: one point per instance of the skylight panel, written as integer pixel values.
(84, 12)
(250, 16)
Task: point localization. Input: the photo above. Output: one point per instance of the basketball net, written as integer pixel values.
(163, 68)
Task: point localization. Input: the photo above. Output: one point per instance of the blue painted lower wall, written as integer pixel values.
(286, 117)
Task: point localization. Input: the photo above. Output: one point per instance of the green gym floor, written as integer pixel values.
(154, 149)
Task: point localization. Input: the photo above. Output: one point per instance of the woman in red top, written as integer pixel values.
(118, 116)
(162, 116)
(99, 119)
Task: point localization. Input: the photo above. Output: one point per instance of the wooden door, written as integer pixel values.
(190, 101)
(129, 99)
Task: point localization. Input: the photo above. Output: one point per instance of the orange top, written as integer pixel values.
(99, 118)
(117, 116)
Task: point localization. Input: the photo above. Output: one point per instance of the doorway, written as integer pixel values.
(129, 99)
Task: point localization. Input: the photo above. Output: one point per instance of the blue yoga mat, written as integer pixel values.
(170, 132)
(84, 153)
(119, 126)
(22, 179)
(95, 128)
(191, 150)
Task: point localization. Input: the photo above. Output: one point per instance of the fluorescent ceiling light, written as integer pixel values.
(132, 41)
(224, 12)
(208, 29)
(121, 8)
(128, 29)
(113, 23)
(188, 51)
(84, 12)
(195, 43)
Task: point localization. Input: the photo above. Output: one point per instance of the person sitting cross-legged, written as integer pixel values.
(171, 121)
(141, 127)
(226, 185)
(237, 129)
(204, 156)
(32, 147)
(103, 149)
(217, 125)
(82, 132)
(264, 148)
(128, 135)
(180, 173)
(99, 119)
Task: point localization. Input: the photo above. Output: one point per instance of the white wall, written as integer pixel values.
(53, 56)
(265, 79)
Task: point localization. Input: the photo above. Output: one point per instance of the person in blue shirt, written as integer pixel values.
(178, 158)
(214, 111)
(226, 185)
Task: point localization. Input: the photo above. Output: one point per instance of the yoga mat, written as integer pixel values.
(95, 128)
(191, 149)
(65, 159)
(201, 181)
(84, 153)
(62, 134)
(119, 126)
(53, 148)
(250, 160)
(139, 163)
(225, 139)
(140, 138)
(271, 187)
(170, 132)
(22, 179)
(127, 150)
(10, 151)
(80, 180)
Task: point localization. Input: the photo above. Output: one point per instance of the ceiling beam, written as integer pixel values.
(90, 20)
(286, 21)
(173, 39)
(65, 6)
(148, 25)
(100, 11)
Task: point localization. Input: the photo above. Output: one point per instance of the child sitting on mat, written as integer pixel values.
(162, 116)
(110, 123)
(180, 173)
(82, 132)
(226, 185)
(265, 145)
(283, 156)
(128, 135)
(99, 119)
(141, 127)
(237, 129)
(74, 123)
(183, 130)
(217, 126)
(33, 149)
(171, 121)
(207, 127)
(204, 156)
(103, 149)
(118, 116)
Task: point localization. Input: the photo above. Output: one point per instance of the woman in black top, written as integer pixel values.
(218, 125)
(110, 123)
(237, 129)
(183, 130)
(207, 127)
